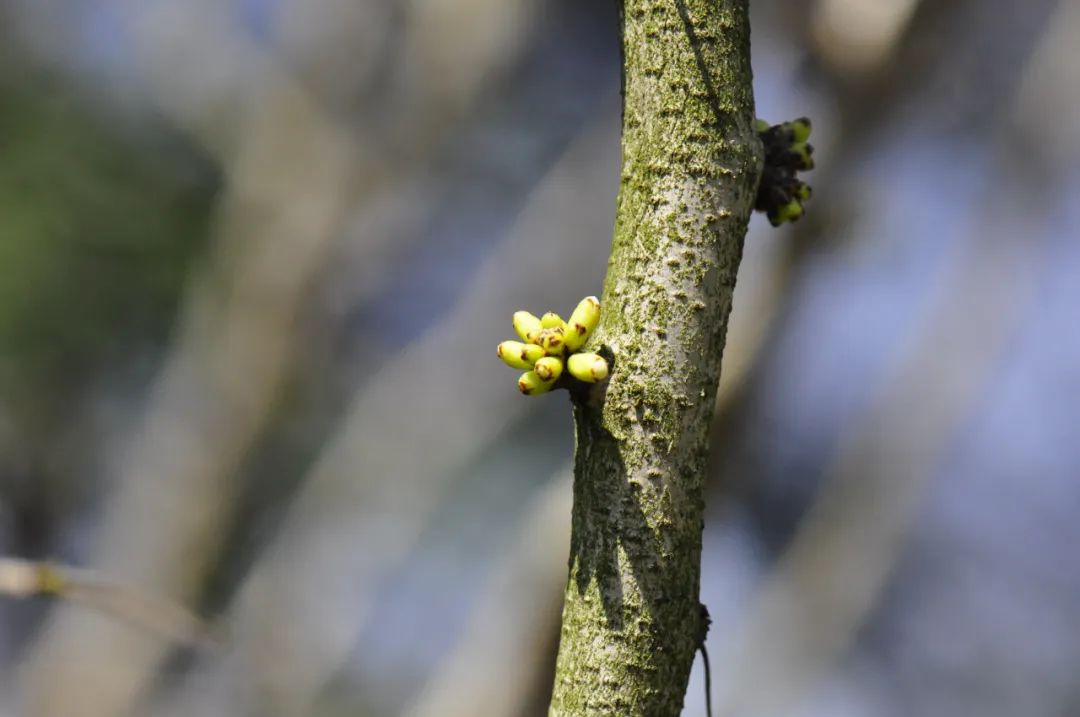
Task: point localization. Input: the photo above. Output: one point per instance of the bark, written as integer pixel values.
(632, 621)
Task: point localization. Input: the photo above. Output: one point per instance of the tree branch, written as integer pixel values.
(691, 162)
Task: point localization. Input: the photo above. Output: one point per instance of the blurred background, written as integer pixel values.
(255, 257)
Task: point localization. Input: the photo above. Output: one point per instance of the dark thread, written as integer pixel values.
(708, 680)
(706, 621)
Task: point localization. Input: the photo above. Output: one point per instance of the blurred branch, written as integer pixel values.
(503, 649)
(166, 620)
(857, 37)
(289, 167)
(444, 71)
(280, 215)
(291, 171)
(370, 493)
(1049, 135)
(832, 574)
(759, 297)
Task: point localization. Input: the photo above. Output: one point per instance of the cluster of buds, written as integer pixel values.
(781, 194)
(551, 345)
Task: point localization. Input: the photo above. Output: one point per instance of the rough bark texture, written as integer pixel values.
(691, 160)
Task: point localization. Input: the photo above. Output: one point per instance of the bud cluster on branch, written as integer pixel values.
(781, 193)
(552, 345)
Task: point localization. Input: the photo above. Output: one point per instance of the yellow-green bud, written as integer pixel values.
(548, 368)
(582, 323)
(587, 367)
(553, 341)
(528, 327)
(531, 384)
(800, 129)
(52, 580)
(518, 355)
(802, 191)
(789, 212)
(551, 320)
(803, 151)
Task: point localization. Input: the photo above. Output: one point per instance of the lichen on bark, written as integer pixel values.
(691, 161)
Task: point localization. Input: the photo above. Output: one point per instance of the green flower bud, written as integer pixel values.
(548, 368)
(587, 367)
(528, 327)
(582, 323)
(551, 320)
(553, 341)
(803, 152)
(531, 385)
(790, 212)
(800, 129)
(518, 355)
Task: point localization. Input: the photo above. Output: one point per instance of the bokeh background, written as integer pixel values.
(255, 256)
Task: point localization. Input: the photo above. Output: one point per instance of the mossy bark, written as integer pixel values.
(691, 160)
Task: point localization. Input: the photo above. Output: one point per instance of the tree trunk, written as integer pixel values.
(691, 160)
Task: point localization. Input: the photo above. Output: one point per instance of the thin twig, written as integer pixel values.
(153, 614)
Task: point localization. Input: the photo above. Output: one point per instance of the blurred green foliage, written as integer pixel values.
(97, 235)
